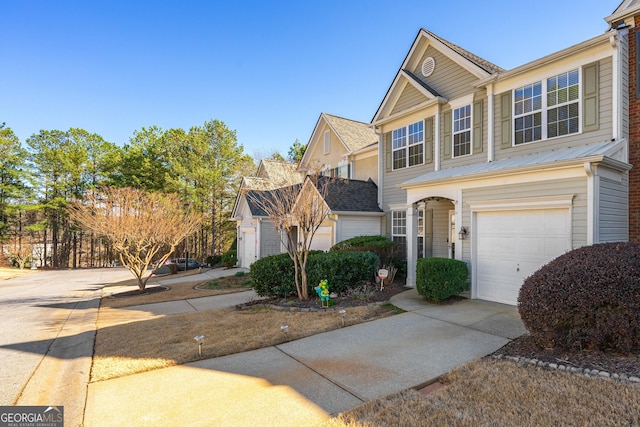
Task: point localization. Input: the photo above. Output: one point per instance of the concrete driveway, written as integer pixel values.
(304, 382)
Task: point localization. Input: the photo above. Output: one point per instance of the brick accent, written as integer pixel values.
(634, 140)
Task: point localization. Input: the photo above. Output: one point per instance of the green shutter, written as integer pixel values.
(386, 139)
(446, 135)
(387, 218)
(590, 110)
(428, 140)
(477, 127)
(505, 119)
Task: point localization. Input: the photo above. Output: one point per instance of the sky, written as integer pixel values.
(267, 69)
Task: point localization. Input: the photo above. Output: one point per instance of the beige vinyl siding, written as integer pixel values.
(440, 248)
(613, 213)
(603, 133)
(575, 186)
(269, 239)
(410, 97)
(476, 156)
(336, 153)
(449, 79)
(353, 226)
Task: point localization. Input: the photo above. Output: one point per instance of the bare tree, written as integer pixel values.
(297, 211)
(19, 249)
(142, 228)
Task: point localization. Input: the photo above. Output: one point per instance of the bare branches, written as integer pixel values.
(141, 227)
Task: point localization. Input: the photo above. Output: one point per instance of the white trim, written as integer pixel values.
(461, 102)
(490, 124)
(326, 142)
(545, 202)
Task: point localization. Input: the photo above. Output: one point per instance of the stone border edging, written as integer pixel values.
(594, 373)
(246, 306)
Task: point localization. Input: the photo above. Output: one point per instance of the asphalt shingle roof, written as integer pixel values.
(354, 134)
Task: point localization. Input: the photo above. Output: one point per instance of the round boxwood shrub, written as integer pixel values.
(588, 298)
(440, 278)
(388, 251)
(230, 258)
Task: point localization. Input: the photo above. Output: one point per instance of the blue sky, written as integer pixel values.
(267, 69)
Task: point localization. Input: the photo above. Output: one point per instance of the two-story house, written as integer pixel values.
(343, 149)
(504, 169)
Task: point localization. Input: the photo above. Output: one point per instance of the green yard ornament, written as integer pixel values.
(323, 292)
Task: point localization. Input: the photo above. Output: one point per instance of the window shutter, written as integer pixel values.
(505, 119)
(428, 140)
(446, 135)
(590, 76)
(386, 141)
(387, 219)
(477, 127)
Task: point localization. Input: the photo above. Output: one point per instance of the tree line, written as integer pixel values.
(202, 167)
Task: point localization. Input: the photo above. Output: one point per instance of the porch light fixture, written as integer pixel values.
(462, 234)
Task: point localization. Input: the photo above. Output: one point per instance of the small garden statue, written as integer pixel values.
(323, 292)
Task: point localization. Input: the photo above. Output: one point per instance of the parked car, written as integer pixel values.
(180, 263)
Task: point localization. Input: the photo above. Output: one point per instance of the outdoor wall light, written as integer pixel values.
(200, 340)
(342, 312)
(462, 234)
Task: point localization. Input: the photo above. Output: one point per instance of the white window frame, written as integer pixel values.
(545, 108)
(399, 224)
(462, 125)
(403, 141)
(327, 142)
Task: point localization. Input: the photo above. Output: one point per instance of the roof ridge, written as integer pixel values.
(477, 60)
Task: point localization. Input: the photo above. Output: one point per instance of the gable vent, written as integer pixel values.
(428, 66)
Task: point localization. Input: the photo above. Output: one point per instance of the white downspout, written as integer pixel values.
(490, 124)
(436, 136)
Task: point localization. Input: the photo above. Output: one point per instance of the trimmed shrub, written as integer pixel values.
(230, 258)
(273, 276)
(440, 278)
(588, 298)
(388, 251)
(214, 260)
(343, 270)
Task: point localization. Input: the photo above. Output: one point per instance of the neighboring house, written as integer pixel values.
(505, 169)
(342, 148)
(256, 234)
(338, 148)
(627, 15)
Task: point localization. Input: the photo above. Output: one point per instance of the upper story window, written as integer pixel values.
(547, 108)
(408, 145)
(327, 142)
(462, 131)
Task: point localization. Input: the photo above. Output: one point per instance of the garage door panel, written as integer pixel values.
(512, 245)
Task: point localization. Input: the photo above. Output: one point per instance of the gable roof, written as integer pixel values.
(278, 173)
(626, 9)
(350, 195)
(477, 66)
(576, 155)
(353, 135)
(341, 195)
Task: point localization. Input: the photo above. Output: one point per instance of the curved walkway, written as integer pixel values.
(305, 381)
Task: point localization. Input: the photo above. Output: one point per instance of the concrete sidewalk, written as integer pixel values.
(303, 382)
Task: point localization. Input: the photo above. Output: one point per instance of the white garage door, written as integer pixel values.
(322, 239)
(511, 245)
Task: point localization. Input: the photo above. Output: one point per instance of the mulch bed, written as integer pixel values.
(137, 292)
(525, 347)
(371, 295)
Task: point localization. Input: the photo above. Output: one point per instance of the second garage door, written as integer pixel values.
(511, 245)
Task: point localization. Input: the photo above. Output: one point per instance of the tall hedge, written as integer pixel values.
(273, 276)
(440, 278)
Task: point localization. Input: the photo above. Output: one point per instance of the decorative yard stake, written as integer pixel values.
(342, 312)
(323, 292)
